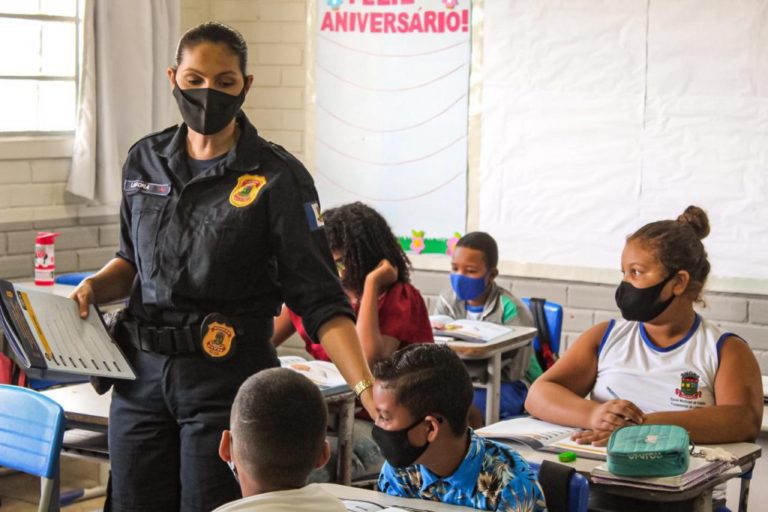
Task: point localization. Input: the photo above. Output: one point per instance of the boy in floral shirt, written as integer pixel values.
(422, 395)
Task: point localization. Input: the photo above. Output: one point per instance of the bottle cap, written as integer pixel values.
(567, 457)
(45, 238)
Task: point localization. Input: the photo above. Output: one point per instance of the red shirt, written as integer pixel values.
(402, 315)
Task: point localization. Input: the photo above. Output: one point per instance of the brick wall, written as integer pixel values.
(275, 31)
(587, 304)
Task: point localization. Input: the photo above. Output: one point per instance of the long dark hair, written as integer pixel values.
(363, 238)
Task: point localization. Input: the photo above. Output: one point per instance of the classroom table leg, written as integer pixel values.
(703, 502)
(345, 428)
(493, 393)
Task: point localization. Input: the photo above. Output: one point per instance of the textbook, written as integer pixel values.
(699, 470)
(45, 332)
(474, 331)
(542, 436)
(323, 373)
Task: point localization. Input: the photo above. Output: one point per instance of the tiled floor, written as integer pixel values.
(20, 492)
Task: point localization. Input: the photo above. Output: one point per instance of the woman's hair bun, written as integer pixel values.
(697, 219)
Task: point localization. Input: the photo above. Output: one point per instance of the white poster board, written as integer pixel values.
(391, 92)
(599, 117)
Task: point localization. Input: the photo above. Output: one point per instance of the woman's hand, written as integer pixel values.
(614, 414)
(383, 276)
(593, 437)
(84, 296)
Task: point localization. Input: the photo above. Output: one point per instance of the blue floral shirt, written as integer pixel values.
(492, 476)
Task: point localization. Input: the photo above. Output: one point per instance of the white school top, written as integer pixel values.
(675, 378)
(310, 498)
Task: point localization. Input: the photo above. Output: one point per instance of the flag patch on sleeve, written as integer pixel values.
(314, 217)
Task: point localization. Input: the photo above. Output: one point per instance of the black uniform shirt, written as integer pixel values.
(239, 238)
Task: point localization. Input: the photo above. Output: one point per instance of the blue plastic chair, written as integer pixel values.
(578, 491)
(554, 313)
(31, 431)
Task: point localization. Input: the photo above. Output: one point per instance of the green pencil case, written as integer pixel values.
(648, 450)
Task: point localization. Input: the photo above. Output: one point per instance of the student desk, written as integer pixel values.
(88, 413)
(385, 500)
(629, 499)
(493, 353)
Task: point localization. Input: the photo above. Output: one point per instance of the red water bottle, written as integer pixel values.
(45, 260)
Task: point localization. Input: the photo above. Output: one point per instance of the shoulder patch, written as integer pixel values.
(154, 134)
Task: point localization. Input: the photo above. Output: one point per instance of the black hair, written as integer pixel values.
(483, 242)
(429, 379)
(278, 424)
(678, 246)
(363, 238)
(214, 32)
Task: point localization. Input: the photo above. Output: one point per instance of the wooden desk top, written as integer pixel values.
(353, 493)
(521, 336)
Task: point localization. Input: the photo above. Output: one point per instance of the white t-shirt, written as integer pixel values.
(676, 378)
(310, 498)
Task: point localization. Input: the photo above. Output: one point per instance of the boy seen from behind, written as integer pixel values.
(475, 295)
(422, 395)
(276, 438)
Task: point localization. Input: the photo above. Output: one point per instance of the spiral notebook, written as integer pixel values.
(45, 332)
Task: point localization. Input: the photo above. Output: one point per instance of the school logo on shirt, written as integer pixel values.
(246, 190)
(314, 217)
(218, 340)
(689, 386)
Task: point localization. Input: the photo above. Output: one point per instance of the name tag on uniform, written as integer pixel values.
(156, 189)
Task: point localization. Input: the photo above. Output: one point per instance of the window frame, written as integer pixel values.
(77, 20)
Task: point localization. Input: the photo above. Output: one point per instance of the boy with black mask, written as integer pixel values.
(422, 395)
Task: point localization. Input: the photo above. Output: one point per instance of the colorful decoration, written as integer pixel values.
(334, 4)
(451, 243)
(417, 242)
(450, 4)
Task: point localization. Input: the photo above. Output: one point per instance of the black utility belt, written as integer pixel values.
(216, 337)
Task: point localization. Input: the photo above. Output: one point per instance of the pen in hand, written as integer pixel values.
(617, 397)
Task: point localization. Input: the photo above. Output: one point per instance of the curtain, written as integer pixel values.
(123, 90)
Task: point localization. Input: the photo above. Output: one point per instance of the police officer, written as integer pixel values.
(218, 228)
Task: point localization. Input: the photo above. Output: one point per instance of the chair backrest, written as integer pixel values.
(31, 430)
(554, 314)
(578, 491)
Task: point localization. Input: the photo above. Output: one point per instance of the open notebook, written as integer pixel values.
(541, 435)
(474, 331)
(324, 374)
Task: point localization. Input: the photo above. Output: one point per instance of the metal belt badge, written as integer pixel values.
(218, 338)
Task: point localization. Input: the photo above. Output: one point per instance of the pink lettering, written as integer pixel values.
(389, 22)
(376, 22)
(429, 21)
(454, 21)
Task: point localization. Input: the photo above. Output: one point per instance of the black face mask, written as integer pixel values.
(395, 446)
(642, 304)
(207, 111)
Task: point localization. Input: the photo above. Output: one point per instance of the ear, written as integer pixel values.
(493, 274)
(435, 424)
(248, 83)
(225, 446)
(171, 77)
(325, 455)
(681, 281)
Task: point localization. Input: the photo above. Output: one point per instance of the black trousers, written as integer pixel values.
(165, 427)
